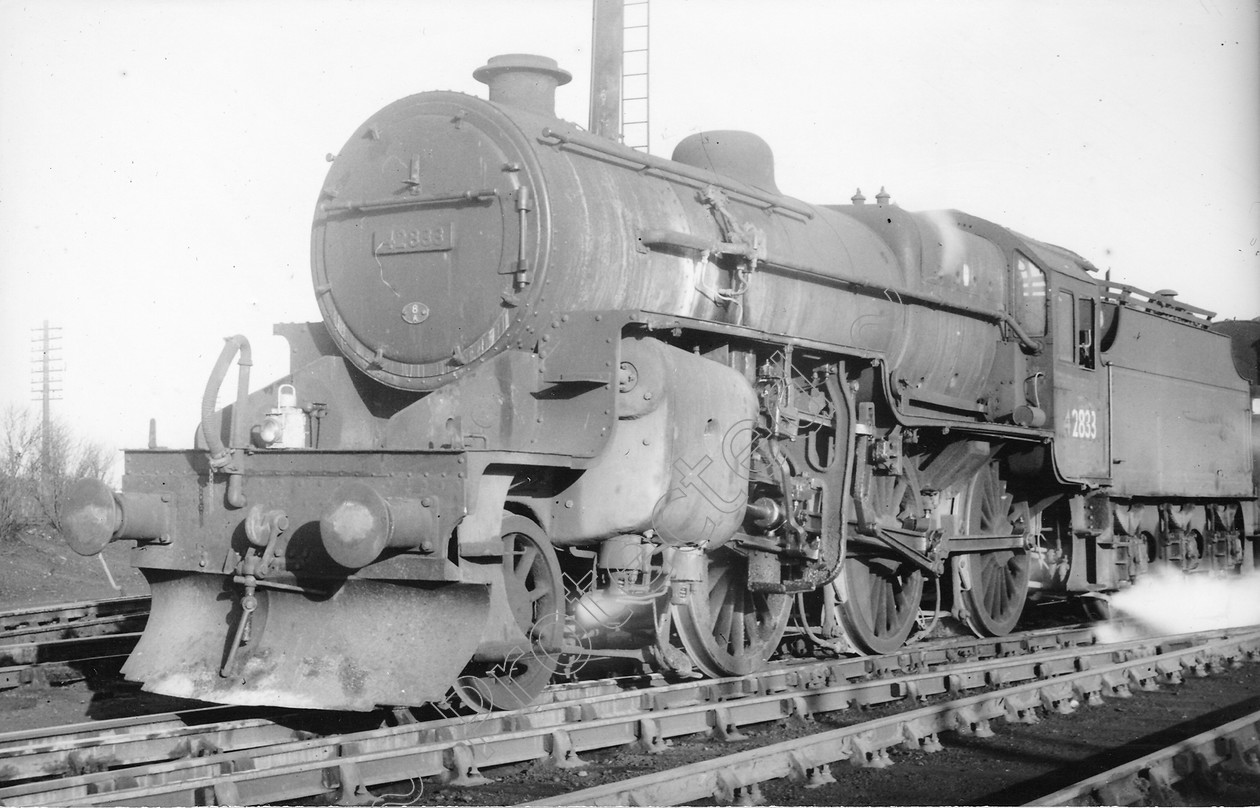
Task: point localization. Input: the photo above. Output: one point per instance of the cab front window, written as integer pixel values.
(1030, 291)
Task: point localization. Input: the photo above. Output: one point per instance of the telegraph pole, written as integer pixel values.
(46, 383)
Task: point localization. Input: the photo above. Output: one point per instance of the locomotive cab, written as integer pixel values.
(1078, 378)
(1164, 490)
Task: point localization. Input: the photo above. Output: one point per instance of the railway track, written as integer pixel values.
(739, 778)
(36, 639)
(961, 685)
(1234, 746)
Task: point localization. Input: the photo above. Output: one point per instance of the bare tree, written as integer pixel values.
(19, 448)
(33, 482)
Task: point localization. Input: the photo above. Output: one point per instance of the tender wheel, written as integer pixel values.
(998, 578)
(535, 595)
(882, 604)
(1194, 550)
(727, 630)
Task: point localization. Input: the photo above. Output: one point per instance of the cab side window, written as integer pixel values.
(1065, 327)
(1075, 330)
(1086, 347)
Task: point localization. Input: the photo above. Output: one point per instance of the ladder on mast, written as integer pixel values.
(635, 130)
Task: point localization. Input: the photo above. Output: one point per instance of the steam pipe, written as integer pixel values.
(220, 455)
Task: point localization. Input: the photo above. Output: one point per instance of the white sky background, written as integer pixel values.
(160, 161)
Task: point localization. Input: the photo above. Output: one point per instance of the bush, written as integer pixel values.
(33, 481)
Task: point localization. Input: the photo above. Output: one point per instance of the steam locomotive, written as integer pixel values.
(570, 400)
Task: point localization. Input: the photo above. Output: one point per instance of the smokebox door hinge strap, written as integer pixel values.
(524, 204)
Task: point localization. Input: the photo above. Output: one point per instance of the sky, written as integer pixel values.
(160, 161)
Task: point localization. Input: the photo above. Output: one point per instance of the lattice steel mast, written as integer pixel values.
(620, 83)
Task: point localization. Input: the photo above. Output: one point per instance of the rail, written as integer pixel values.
(1161, 304)
(1149, 779)
(661, 237)
(29, 621)
(737, 778)
(696, 177)
(37, 639)
(25, 663)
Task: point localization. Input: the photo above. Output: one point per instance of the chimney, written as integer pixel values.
(524, 81)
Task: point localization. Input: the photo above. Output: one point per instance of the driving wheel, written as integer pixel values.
(997, 579)
(882, 602)
(879, 601)
(727, 629)
(535, 596)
